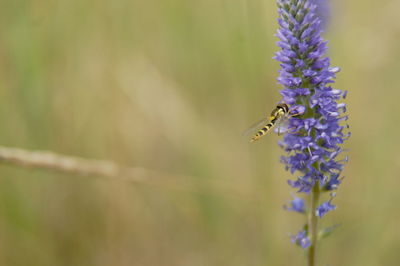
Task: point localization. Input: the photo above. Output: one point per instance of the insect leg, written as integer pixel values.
(290, 131)
(291, 114)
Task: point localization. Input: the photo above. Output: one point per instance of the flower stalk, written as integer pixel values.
(313, 225)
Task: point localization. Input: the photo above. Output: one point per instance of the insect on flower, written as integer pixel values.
(278, 119)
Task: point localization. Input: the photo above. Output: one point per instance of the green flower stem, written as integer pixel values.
(313, 224)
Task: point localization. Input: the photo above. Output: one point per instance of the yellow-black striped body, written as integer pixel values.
(278, 114)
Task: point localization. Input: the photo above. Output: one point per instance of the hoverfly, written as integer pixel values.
(278, 118)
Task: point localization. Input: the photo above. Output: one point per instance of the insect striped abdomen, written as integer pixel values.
(262, 132)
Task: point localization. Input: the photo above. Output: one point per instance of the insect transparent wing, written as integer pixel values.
(282, 126)
(256, 126)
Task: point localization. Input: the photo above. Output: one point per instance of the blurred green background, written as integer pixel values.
(170, 85)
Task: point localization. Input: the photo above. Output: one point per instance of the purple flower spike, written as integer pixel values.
(306, 76)
(313, 146)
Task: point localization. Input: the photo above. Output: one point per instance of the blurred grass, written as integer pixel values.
(170, 85)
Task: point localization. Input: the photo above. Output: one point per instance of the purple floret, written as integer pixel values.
(296, 205)
(324, 208)
(301, 239)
